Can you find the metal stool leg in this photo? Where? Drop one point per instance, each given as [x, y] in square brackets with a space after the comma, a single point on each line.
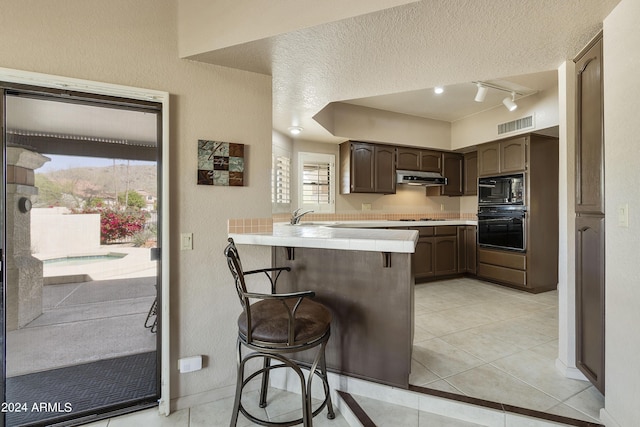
[327, 390]
[239, 385]
[265, 383]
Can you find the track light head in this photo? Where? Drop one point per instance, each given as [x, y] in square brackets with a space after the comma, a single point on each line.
[481, 94]
[510, 102]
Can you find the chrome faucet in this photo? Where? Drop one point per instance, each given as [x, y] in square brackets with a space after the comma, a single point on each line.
[296, 215]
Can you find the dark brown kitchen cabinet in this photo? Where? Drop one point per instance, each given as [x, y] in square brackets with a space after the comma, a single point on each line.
[422, 259]
[408, 159]
[467, 249]
[513, 155]
[590, 298]
[384, 170]
[430, 161]
[489, 159]
[470, 187]
[367, 168]
[504, 267]
[590, 218]
[446, 255]
[415, 159]
[452, 169]
[589, 134]
[436, 252]
[506, 156]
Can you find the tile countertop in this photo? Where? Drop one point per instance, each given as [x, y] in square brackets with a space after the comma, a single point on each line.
[377, 236]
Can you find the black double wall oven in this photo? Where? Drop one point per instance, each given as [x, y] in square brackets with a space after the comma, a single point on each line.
[502, 212]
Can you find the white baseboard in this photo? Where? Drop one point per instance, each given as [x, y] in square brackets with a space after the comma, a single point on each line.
[607, 419]
[206, 397]
[397, 396]
[569, 372]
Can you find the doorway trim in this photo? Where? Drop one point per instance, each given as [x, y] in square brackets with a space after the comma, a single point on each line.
[108, 89]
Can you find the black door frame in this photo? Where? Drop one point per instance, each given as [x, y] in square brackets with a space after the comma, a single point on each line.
[107, 101]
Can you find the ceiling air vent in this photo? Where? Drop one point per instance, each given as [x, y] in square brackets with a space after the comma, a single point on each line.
[516, 125]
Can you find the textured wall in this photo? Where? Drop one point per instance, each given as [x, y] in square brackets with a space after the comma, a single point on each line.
[135, 44]
[622, 151]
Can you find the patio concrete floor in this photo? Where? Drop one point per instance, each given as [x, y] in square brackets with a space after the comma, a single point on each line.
[88, 321]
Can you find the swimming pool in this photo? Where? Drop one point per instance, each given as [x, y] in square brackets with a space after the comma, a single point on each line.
[82, 259]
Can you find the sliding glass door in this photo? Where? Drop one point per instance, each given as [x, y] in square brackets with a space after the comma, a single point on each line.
[81, 266]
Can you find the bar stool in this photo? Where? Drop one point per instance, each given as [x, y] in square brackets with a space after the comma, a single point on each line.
[273, 327]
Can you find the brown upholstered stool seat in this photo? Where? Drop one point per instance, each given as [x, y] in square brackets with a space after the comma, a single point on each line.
[270, 321]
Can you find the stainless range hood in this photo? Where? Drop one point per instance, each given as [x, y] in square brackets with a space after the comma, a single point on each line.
[426, 179]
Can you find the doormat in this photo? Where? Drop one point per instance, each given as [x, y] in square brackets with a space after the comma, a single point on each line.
[80, 390]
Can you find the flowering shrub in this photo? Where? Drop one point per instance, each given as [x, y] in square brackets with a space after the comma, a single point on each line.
[116, 225]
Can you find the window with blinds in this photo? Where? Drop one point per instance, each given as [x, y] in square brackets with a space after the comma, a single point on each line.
[281, 180]
[317, 182]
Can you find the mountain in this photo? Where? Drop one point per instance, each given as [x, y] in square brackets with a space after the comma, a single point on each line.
[103, 182]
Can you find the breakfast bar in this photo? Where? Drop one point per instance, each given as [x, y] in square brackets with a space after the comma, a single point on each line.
[362, 272]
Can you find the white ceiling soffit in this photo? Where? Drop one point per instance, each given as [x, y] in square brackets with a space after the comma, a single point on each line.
[70, 119]
[412, 48]
[457, 101]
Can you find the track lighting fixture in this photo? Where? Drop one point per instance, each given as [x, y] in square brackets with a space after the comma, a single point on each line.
[482, 92]
[510, 102]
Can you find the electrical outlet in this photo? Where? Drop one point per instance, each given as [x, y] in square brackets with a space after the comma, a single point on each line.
[366, 206]
[186, 241]
[190, 364]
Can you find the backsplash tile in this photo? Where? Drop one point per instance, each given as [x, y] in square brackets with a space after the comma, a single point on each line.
[265, 225]
[250, 225]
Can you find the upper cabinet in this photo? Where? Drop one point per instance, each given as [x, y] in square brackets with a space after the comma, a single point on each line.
[589, 138]
[470, 187]
[408, 159]
[415, 159]
[452, 169]
[503, 157]
[430, 161]
[367, 168]
[384, 177]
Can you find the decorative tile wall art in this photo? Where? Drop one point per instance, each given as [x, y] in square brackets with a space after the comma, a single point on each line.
[220, 163]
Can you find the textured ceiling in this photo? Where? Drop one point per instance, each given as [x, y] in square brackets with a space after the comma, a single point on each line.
[412, 48]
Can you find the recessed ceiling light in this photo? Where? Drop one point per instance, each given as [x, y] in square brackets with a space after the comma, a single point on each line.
[438, 90]
[295, 130]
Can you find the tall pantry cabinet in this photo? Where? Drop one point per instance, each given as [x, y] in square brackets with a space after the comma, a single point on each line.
[590, 243]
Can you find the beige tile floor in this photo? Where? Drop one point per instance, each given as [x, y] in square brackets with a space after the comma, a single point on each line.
[495, 343]
[471, 338]
[282, 406]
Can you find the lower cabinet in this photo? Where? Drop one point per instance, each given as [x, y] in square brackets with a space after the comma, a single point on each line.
[467, 257]
[422, 259]
[503, 267]
[437, 251]
[446, 254]
[590, 302]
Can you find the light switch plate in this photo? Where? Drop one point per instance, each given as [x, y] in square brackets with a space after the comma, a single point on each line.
[623, 215]
[186, 241]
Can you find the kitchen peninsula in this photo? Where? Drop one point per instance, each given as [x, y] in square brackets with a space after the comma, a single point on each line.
[362, 271]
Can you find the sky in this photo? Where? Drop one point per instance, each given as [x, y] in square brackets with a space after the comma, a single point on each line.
[59, 162]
